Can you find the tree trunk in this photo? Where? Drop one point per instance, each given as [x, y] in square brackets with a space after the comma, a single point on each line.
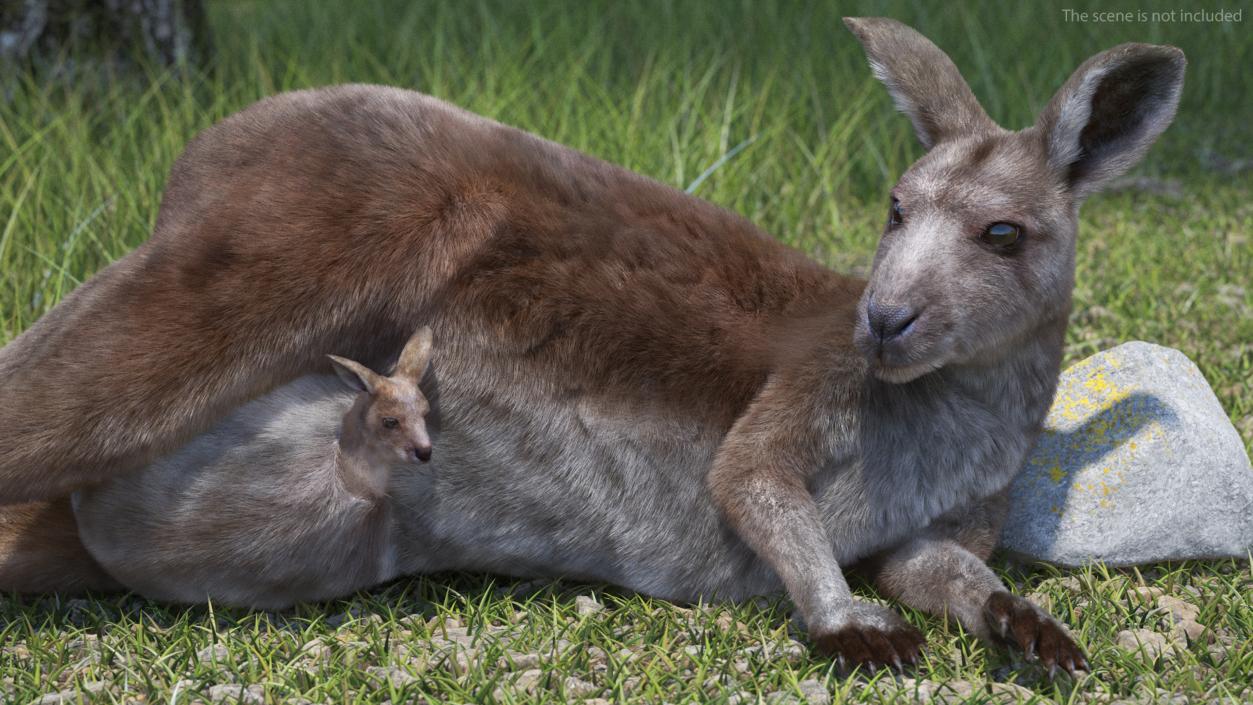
[168, 32]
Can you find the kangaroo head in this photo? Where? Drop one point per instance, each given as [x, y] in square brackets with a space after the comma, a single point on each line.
[978, 250]
[390, 418]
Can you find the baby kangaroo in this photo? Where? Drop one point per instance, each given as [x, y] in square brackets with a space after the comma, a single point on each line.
[282, 501]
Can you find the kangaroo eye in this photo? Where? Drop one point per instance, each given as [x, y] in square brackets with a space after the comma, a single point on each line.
[389, 422]
[1002, 234]
[896, 215]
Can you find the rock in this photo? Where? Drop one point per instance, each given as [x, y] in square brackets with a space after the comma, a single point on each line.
[790, 651]
[529, 681]
[515, 661]
[1189, 632]
[814, 692]
[573, 687]
[314, 651]
[1178, 610]
[1146, 641]
[86, 692]
[215, 654]
[1218, 652]
[954, 692]
[233, 693]
[585, 605]
[1138, 463]
[1011, 693]
[390, 676]
[626, 655]
[1143, 596]
[461, 661]
[924, 691]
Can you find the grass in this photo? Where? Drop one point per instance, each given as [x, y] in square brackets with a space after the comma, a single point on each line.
[767, 109]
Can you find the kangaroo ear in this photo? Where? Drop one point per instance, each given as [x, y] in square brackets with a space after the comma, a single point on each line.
[416, 355]
[923, 82]
[1110, 112]
[354, 374]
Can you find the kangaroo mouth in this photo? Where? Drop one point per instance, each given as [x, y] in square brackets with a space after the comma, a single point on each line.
[900, 374]
[915, 349]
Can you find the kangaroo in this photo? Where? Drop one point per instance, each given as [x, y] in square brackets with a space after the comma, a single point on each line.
[283, 500]
[636, 386]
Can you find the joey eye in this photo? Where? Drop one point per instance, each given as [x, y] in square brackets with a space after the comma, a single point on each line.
[896, 215]
[390, 422]
[1002, 234]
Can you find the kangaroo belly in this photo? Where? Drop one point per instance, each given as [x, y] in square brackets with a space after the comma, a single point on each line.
[578, 488]
[251, 512]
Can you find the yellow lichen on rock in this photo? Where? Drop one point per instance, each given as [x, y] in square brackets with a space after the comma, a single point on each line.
[1094, 416]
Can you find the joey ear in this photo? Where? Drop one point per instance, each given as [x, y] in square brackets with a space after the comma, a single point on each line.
[416, 355]
[1110, 112]
[354, 374]
[923, 81]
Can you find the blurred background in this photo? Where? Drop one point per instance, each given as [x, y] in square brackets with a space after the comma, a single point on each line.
[765, 108]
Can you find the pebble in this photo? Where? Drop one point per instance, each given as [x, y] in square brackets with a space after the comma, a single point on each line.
[573, 687]
[215, 654]
[73, 695]
[1179, 610]
[1152, 644]
[529, 680]
[782, 697]
[515, 661]
[390, 675]
[1143, 596]
[814, 692]
[585, 605]
[239, 694]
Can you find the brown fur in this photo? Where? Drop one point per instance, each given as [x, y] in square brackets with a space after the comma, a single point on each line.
[40, 550]
[348, 244]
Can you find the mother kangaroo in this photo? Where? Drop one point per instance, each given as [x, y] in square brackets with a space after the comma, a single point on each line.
[634, 386]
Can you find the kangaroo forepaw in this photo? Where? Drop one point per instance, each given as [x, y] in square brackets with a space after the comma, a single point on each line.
[873, 638]
[1016, 621]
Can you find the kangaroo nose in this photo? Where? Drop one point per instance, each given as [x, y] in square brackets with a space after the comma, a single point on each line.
[422, 453]
[888, 321]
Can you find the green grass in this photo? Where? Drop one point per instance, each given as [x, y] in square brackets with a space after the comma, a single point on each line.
[764, 108]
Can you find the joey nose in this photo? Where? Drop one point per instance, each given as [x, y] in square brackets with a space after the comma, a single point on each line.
[888, 321]
[422, 453]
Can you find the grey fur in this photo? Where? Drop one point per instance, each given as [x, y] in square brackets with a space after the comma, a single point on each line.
[283, 500]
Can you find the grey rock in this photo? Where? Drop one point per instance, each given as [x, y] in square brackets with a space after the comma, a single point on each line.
[573, 687]
[586, 605]
[1178, 610]
[517, 661]
[1147, 642]
[234, 693]
[1138, 463]
[390, 676]
[814, 691]
[529, 680]
[87, 692]
[216, 654]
